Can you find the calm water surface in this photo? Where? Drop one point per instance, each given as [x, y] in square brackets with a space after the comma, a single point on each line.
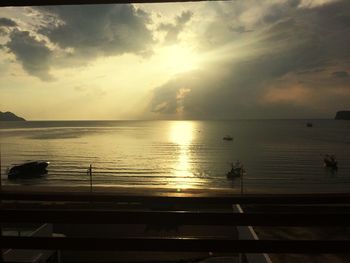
[281, 155]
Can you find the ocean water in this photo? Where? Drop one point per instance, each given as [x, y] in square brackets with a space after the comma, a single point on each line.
[278, 155]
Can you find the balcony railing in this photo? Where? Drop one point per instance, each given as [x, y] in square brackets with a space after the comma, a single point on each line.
[14, 210]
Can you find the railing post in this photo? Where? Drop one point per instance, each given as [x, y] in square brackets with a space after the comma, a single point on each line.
[242, 182]
[1, 257]
[90, 173]
[0, 172]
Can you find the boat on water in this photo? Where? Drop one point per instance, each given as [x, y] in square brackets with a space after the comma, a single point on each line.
[330, 162]
[237, 170]
[227, 138]
[28, 170]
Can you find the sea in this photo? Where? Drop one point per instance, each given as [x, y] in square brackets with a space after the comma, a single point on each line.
[278, 155]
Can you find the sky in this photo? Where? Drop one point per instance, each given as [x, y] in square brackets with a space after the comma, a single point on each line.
[251, 59]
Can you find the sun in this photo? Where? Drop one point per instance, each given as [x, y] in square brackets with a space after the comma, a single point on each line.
[179, 58]
[181, 133]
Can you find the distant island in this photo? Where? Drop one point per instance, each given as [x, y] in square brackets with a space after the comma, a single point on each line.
[9, 116]
[343, 115]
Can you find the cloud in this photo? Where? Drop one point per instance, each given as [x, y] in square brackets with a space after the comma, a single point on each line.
[173, 30]
[164, 98]
[291, 94]
[32, 53]
[6, 25]
[171, 99]
[272, 72]
[66, 36]
[6, 22]
[315, 3]
[98, 30]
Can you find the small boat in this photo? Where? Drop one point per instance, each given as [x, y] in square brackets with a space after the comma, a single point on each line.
[237, 170]
[309, 124]
[227, 138]
[28, 170]
[330, 162]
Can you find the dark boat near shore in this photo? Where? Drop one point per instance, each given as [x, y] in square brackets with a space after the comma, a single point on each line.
[28, 170]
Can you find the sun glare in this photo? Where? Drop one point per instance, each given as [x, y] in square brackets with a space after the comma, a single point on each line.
[177, 59]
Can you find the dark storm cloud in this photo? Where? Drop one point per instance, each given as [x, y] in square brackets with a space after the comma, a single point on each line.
[290, 41]
[173, 30]
[6, 22]
[82, 34]
[170, 99]
[276, 11]
[32, 53]
[6, 25]
[98, 30]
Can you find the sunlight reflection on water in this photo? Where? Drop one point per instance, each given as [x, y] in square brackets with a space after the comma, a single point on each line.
[182, 134]
[182, 154]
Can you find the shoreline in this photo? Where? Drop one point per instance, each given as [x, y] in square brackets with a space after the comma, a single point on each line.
[156, 190]
[163, 191]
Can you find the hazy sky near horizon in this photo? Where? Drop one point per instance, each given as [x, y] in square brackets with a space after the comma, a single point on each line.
[206, 60]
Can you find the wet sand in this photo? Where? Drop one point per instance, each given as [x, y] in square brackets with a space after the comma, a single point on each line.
[156, 190]
[117, 190]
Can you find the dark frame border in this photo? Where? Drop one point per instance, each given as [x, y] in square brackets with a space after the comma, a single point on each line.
[4, 3]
